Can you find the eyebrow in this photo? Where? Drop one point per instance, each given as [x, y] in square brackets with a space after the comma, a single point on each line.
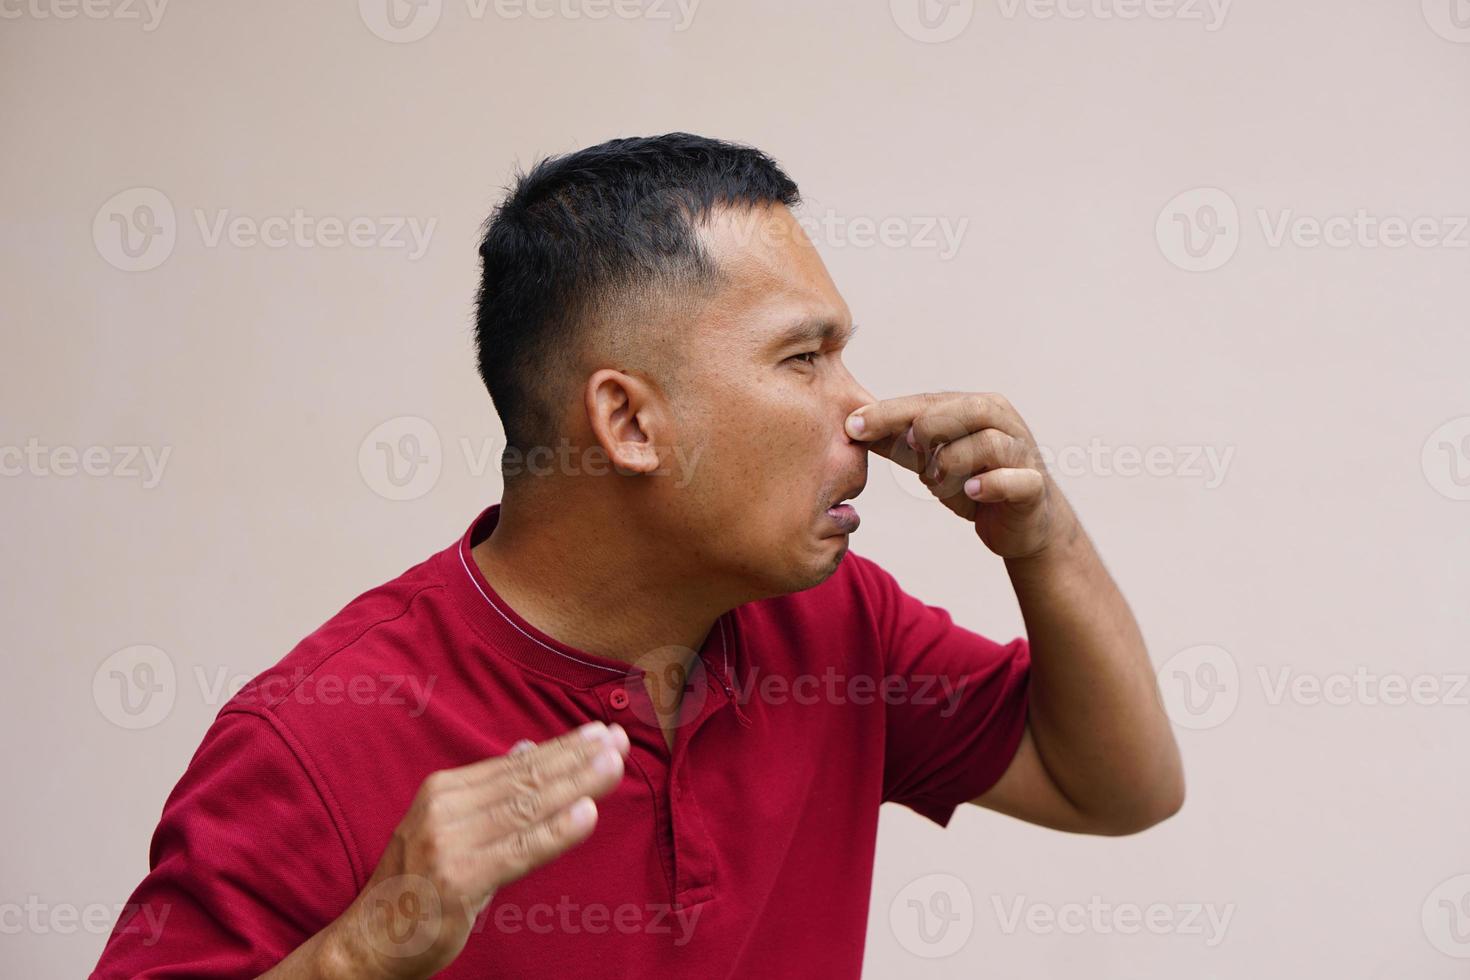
[816, 328]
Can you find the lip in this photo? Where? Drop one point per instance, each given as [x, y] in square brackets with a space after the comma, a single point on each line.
[844, 517]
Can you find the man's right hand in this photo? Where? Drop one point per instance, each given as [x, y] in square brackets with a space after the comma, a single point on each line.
[468, 832]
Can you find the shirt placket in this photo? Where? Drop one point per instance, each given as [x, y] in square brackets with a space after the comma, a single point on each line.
[670, 774]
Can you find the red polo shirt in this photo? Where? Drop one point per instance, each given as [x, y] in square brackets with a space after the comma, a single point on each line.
[746, 851]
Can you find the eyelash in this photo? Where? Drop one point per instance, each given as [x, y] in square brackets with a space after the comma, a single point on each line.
[808, 354]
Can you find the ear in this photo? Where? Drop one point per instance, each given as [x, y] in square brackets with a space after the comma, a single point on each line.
[623, 411]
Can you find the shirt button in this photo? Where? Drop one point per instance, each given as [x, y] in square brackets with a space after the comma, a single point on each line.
[618, 698]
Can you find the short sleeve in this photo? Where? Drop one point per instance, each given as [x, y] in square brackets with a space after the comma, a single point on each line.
[956, 704]
[246, 864]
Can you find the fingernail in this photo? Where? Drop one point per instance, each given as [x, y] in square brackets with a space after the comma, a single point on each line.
[582, 812]
[593, 730]
[607, 762]
[972, 487]
[854, 425]
[619, 736]
[521, 746]
[908, 437]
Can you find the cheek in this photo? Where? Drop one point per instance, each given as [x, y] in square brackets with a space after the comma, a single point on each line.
[763, 448]
[784, 439]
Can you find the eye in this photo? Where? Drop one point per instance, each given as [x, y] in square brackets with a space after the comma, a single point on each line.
[809, 357]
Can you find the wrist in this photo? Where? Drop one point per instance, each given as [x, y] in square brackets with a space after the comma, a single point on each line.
[1066, 544]
[337, 957]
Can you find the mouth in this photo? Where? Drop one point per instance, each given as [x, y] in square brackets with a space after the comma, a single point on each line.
[843, 515]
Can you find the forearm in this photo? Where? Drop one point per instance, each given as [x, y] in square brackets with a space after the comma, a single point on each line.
[322, 957]
[1095, 714]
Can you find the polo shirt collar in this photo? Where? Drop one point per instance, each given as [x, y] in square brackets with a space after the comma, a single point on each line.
[511, 635]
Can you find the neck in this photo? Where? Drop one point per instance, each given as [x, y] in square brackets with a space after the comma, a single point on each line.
[590, 578]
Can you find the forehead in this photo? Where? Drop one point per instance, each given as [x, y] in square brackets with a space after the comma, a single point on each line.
[772, 276]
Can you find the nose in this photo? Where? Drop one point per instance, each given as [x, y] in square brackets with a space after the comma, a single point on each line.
[854, 396]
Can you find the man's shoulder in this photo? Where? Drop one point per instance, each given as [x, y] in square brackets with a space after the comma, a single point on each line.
[371, 648]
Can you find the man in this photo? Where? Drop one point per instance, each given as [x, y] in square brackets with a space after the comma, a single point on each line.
[665, 701]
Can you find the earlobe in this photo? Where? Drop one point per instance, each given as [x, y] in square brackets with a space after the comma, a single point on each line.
[622, 413]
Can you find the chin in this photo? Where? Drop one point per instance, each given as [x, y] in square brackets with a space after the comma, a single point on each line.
[785, 570]
[821, 564]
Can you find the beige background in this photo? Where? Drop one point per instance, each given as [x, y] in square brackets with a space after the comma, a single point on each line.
[1331, 547]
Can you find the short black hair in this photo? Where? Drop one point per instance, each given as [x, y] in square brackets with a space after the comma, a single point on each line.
[584, 232]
